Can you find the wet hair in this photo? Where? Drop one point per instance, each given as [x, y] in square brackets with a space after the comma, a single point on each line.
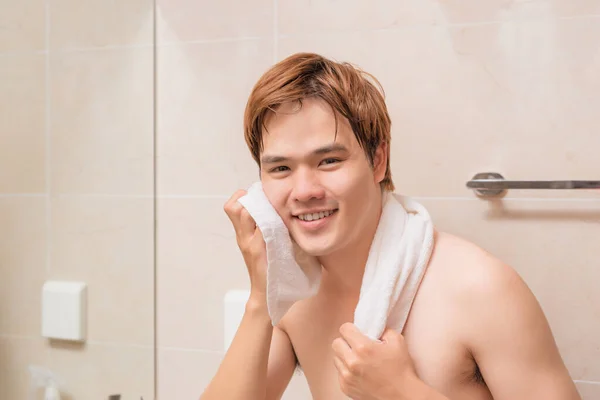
[351, 92]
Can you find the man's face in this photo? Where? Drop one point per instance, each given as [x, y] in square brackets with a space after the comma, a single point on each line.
[322, 185]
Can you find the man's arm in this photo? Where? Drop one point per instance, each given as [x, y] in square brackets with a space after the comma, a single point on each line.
[282, 364]
[510, 338]
[260, 357]
[258, 364]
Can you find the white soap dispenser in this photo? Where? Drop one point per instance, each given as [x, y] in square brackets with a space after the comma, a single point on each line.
[43, 377]
[51, 393]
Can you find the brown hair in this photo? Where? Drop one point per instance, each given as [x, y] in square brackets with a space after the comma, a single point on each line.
[350, 91]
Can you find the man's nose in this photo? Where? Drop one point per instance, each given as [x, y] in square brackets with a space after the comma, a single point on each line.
[307, 186]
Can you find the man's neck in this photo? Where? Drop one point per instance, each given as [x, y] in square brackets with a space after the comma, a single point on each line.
[343, 275]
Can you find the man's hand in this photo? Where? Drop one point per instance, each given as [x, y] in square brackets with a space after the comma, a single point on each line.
[373, 370]
[252, 245]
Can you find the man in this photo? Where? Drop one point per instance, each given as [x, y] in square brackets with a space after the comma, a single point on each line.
[320, 133]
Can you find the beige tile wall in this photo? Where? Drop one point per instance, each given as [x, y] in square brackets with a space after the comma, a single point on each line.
[472, 86]
[76, 190]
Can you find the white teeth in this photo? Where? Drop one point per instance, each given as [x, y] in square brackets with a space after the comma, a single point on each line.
[315, 216]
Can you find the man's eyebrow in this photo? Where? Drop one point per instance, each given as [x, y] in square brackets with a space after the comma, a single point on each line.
[330, 148]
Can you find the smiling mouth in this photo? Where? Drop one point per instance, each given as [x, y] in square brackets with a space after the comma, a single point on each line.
[315, 216]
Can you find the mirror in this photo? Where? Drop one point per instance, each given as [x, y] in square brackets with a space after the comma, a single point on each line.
[77, 195]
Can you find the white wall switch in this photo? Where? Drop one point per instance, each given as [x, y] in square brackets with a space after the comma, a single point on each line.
[64, 307]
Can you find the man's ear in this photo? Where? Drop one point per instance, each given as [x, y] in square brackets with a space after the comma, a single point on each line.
[380, 162]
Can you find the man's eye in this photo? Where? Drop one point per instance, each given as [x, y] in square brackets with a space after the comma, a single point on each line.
[330, 160]
[281, 168]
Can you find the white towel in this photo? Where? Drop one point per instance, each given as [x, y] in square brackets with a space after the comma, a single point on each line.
[397, 262]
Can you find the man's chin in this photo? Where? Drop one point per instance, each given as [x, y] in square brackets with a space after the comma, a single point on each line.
[315, 250]
[315, 247]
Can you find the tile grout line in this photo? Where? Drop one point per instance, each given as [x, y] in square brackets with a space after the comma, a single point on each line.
[155, 367]
[276, 35]
[192, 350]
[510, 199]
[242, 38]
[275, 31]
[48, 154]
[47, 163]
[103, 48]
[223, 196]
[118, 344]
[87, 342]
[14, 336]
[587, 382]
[77, 195]
[413, 25]
[23, 53]
[74, 50]
[17, 195]
[213, 41]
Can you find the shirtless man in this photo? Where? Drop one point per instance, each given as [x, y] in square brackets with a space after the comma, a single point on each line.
[320, 133]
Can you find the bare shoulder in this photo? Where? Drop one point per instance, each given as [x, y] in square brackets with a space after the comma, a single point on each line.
[503, 324]
[480, 283]
[468, 270]
[482, 288]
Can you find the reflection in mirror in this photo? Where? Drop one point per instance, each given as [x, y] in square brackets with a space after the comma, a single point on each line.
[77, 198]
[470, 86]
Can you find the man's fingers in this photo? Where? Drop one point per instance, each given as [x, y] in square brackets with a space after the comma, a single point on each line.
[339, 365]
[389, 335]
[232, 207]
[353, 336]
[247, 225]
[239, 217]
[341, 349]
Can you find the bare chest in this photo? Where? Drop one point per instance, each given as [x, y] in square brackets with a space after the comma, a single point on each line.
[440, 360]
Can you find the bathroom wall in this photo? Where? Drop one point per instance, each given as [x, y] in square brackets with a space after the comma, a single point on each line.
[472, 86]
[76, 190]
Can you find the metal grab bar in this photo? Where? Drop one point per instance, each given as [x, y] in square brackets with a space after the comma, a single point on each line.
[488, 184]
